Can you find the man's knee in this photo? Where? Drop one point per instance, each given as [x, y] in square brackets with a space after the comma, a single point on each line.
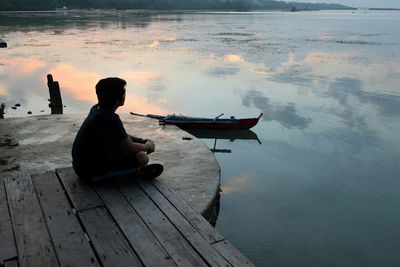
[142, 158]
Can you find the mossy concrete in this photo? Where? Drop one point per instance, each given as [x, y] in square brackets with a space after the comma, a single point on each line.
[41, 143]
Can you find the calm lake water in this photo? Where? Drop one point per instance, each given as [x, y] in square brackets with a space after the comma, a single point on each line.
[322, 187]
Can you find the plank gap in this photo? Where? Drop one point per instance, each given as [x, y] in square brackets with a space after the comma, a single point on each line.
[79, 220]
[7, 229]
[216, 242]
[124, 214]
[190, 233]
[196, 220]
[32, 237]
[45, 221]
[144, 222]
[161, 227]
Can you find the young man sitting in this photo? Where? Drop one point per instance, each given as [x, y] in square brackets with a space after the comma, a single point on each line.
[102, 149]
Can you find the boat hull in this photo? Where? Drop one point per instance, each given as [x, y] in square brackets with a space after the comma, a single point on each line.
[239, 124]
[204, 123]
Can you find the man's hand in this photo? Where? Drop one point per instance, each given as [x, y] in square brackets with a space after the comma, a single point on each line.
[131, 147]
[150, 146]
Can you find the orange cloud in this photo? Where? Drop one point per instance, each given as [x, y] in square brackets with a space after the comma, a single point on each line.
[80, 85]
[236, 184]
[169, 38]
[140, 104]
[233, 58]
[140, 79]
[153, 44]
[25, 66]
[320, 57]
[3, 90]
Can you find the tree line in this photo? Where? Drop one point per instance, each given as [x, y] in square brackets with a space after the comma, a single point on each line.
[239, 5]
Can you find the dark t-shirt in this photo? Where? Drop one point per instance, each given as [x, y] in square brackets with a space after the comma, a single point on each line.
[96, 142]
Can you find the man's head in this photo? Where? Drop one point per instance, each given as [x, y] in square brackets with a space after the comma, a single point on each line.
[111, 92]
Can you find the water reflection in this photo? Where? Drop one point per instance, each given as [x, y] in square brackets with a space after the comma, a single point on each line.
[287, 115]
[44, 21]
[330, 153]
[24, 67]
[237, 184]
[344, 88]
[230, 135]
[3, 90]
[223, 71]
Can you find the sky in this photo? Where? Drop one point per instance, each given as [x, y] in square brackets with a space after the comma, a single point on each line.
[360, 3]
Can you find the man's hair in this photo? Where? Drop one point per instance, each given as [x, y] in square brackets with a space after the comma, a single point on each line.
[109, 91]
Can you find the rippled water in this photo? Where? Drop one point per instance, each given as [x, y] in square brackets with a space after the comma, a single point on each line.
[323, 187]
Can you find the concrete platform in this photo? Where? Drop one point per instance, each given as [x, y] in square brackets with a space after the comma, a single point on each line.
[43, 143]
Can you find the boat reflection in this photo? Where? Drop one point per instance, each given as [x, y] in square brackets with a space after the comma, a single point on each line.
[230, 135]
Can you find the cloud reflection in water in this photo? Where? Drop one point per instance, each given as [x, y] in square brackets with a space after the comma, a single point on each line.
[3, 90]
[237, 184]
[344, 88]
[287, 115]
[223, 71]
[22, 66]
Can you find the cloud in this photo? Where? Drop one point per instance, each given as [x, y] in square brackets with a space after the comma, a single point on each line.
[141, 104]
[79, 84]
[3, 90]
[233, 58]
[153, 44]
[344, 88]
[223, 71]
[287, 115]
[236, 184]
[143, 80]
[24, 66]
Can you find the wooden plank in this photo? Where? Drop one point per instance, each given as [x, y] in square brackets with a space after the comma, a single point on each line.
[11, 263]
[231, 254]
[69, 240]
[8, 248]
[32, 238]
[146, 246]
[80, 193]
[201, 245]
[110, 244]
[198, 221]
[173, 242]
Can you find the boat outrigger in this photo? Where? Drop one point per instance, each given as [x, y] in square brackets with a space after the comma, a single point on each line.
[185, 122]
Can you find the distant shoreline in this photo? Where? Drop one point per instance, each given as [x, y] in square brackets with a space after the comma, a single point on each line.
[194, 10]
[171, 5]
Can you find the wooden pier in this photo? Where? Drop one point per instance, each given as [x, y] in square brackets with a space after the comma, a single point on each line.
[54, 219]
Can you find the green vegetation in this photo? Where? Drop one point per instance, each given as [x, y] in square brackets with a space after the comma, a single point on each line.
[239, 5]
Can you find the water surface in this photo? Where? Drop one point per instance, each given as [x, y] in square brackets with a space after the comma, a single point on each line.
[323, 187]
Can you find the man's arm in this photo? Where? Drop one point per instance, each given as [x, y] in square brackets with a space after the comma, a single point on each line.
[128, 146]
[137, 139]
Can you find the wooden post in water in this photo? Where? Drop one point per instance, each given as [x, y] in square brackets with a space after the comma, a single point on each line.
[3, 43]
[55, 105]
[2, 108]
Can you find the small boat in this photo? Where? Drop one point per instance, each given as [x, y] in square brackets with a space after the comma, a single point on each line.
[185, 122]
